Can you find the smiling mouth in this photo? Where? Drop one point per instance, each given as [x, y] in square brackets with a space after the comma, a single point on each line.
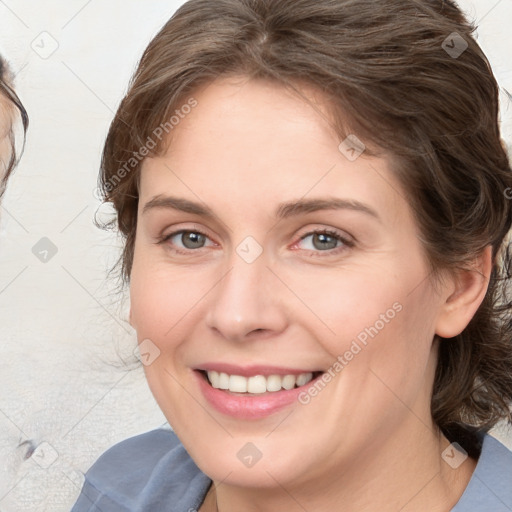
[257, 384]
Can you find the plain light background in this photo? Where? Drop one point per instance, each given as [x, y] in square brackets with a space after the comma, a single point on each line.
[64, 391]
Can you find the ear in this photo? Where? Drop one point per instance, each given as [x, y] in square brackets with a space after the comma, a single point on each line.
[465, 293]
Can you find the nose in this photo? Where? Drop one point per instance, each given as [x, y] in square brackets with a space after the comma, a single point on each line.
[246, 304]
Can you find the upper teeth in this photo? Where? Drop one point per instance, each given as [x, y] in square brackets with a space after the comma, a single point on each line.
[258, 383]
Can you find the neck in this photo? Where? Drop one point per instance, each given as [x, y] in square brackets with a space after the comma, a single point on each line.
[406, 473]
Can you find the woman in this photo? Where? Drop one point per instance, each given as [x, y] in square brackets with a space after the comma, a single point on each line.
[312, 195]
[9, 103]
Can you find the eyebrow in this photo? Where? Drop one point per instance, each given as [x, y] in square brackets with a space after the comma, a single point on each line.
[312, 205]
[177, 203]
[284, 210]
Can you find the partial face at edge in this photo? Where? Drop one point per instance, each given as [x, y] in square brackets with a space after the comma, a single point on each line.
[243, 151]
[6, 120]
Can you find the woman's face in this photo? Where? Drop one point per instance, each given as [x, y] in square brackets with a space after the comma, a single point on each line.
[249, 289]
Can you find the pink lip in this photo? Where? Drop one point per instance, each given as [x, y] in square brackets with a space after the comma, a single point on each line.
[250, 407]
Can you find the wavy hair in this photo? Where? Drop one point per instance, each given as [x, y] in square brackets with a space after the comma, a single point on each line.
[8, 95]
[409, 79]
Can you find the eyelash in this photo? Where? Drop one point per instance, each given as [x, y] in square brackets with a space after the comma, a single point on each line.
[164, 239]
[334, 234]
[346, 243]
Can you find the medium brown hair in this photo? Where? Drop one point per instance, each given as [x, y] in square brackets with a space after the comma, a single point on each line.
[8, 95]
[391, 76]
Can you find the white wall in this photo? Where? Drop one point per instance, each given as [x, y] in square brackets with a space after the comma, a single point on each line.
[61, 325]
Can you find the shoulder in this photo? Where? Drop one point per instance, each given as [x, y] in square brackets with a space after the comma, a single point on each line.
[490, 487]
[137, 453]
[143, 473]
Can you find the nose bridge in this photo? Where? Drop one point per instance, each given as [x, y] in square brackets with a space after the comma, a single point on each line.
[242, 302]
[244, 283]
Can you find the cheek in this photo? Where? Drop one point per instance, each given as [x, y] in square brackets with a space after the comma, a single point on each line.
[342, 305]
[162, 297]
[377, 326]
[161, 306]
[392, 370]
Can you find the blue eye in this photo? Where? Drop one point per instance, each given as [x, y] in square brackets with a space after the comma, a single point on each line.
[325, 240]
[187, 239]
[319, 241]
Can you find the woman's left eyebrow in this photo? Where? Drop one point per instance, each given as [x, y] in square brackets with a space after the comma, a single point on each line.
[313, 205]
[284, 210]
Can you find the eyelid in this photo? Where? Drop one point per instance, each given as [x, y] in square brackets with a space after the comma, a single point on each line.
[336, 233]
[195, 228]
[164, 238]
[347, 241]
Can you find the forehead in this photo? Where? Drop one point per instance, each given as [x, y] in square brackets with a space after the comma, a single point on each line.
[259, 145]
[241, 129]
[253, 105]
[247, 126]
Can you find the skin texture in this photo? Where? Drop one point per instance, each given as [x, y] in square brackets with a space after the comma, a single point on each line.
[367, 440]
[5, 126]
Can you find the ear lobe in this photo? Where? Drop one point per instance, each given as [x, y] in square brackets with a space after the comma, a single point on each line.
[465, 296]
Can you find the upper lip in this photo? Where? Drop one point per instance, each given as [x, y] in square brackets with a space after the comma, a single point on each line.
[251, 370]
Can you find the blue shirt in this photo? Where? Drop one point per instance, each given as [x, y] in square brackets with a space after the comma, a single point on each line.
[152, 472]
